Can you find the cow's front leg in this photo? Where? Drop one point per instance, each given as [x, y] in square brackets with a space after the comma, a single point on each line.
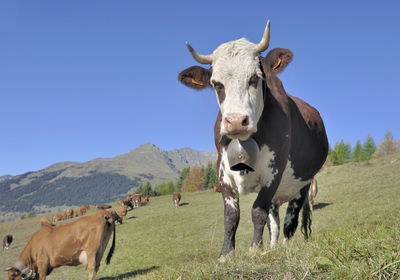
[231, 219]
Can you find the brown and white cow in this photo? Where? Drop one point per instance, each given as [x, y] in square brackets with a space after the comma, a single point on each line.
[58, 217]
[144, 200]
[136, 199]
[290, 135]
[7, 240]
[176, 197]
[80, 242]
[126, 202]
[44, 221]
[69, 214]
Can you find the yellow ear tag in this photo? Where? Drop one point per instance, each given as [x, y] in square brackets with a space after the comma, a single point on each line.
[277, 64]
[197, 83]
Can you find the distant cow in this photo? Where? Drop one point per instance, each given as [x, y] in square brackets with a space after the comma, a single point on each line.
[69, 214]
[80, 242]
[7, 241]
[44, 221]
[144, 200]
[83, 209]
[217, 188]
[126, 202]
[122, 211]
[176, 197]
[136, 199]
[58, 217]
[75, 214]
[103, 206]
[312, 193]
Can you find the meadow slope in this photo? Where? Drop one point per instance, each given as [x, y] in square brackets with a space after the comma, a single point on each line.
[356, 233]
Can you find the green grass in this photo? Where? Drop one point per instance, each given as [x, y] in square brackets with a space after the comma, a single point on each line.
[356, 235]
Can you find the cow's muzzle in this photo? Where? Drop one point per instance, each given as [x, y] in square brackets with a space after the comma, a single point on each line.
[242, 155]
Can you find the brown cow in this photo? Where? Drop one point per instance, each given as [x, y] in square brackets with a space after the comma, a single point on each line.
[58, 217]
[7, 241]
[176, 197]
[44, 221]
[144, 200]
[83, 209]
[69, 214]
[126, 202]
[312, 193]
[136, 198]
[80, 242]
[122, 211]
[103, 206]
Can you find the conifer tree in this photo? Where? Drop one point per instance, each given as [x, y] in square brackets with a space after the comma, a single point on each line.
[357, 153]
[369, 148]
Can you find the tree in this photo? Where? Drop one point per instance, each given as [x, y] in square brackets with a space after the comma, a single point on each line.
[388, 145]
[368, 148]
[194, 180]
[182, 177]
[340, 153]
[357, 153]
[210, 176]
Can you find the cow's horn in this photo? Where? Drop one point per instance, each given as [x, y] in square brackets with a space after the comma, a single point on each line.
[7, 269]
[200, 58]
[264, 43]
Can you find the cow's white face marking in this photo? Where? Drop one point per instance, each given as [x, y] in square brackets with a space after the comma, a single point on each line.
[234, 64]
[244, 183]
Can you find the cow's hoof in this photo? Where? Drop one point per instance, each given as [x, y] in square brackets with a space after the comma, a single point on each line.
[226, 258]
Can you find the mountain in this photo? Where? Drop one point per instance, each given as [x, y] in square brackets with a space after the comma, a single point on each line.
[5, 178]
[97, 181]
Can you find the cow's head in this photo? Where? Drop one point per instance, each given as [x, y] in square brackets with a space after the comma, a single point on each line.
[15, 273]
[237, 73]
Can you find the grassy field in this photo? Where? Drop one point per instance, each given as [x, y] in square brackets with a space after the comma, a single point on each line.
[356, 235]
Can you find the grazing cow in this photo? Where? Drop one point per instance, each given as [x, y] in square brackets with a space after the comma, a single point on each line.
[44, 221]
[176, 197]
[7, 241]
[103, 206]
[283, 138]
[122, 211]
[69, 214]
[126, 202]
[312, 193]
[217, 188]
[80, 242]
[58, 217]
[83, 209]
[136, 198]
[144, 200]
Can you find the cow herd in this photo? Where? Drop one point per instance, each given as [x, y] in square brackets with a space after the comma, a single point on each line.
[82, 241]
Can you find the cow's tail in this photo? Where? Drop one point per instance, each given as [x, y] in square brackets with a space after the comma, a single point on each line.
[111, 252]
[306, 219]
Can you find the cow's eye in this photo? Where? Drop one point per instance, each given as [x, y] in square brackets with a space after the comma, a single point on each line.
[254, 81]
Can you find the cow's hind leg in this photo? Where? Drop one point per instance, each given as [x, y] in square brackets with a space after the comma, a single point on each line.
[292, 215]
[273, 224]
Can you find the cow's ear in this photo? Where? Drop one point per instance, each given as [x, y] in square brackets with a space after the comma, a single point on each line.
[195, 77]
[277, 60]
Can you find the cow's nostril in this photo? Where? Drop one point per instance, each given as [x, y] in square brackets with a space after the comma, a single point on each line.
[245, 122]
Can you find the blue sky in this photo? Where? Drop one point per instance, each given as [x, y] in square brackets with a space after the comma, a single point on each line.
[87, 79]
